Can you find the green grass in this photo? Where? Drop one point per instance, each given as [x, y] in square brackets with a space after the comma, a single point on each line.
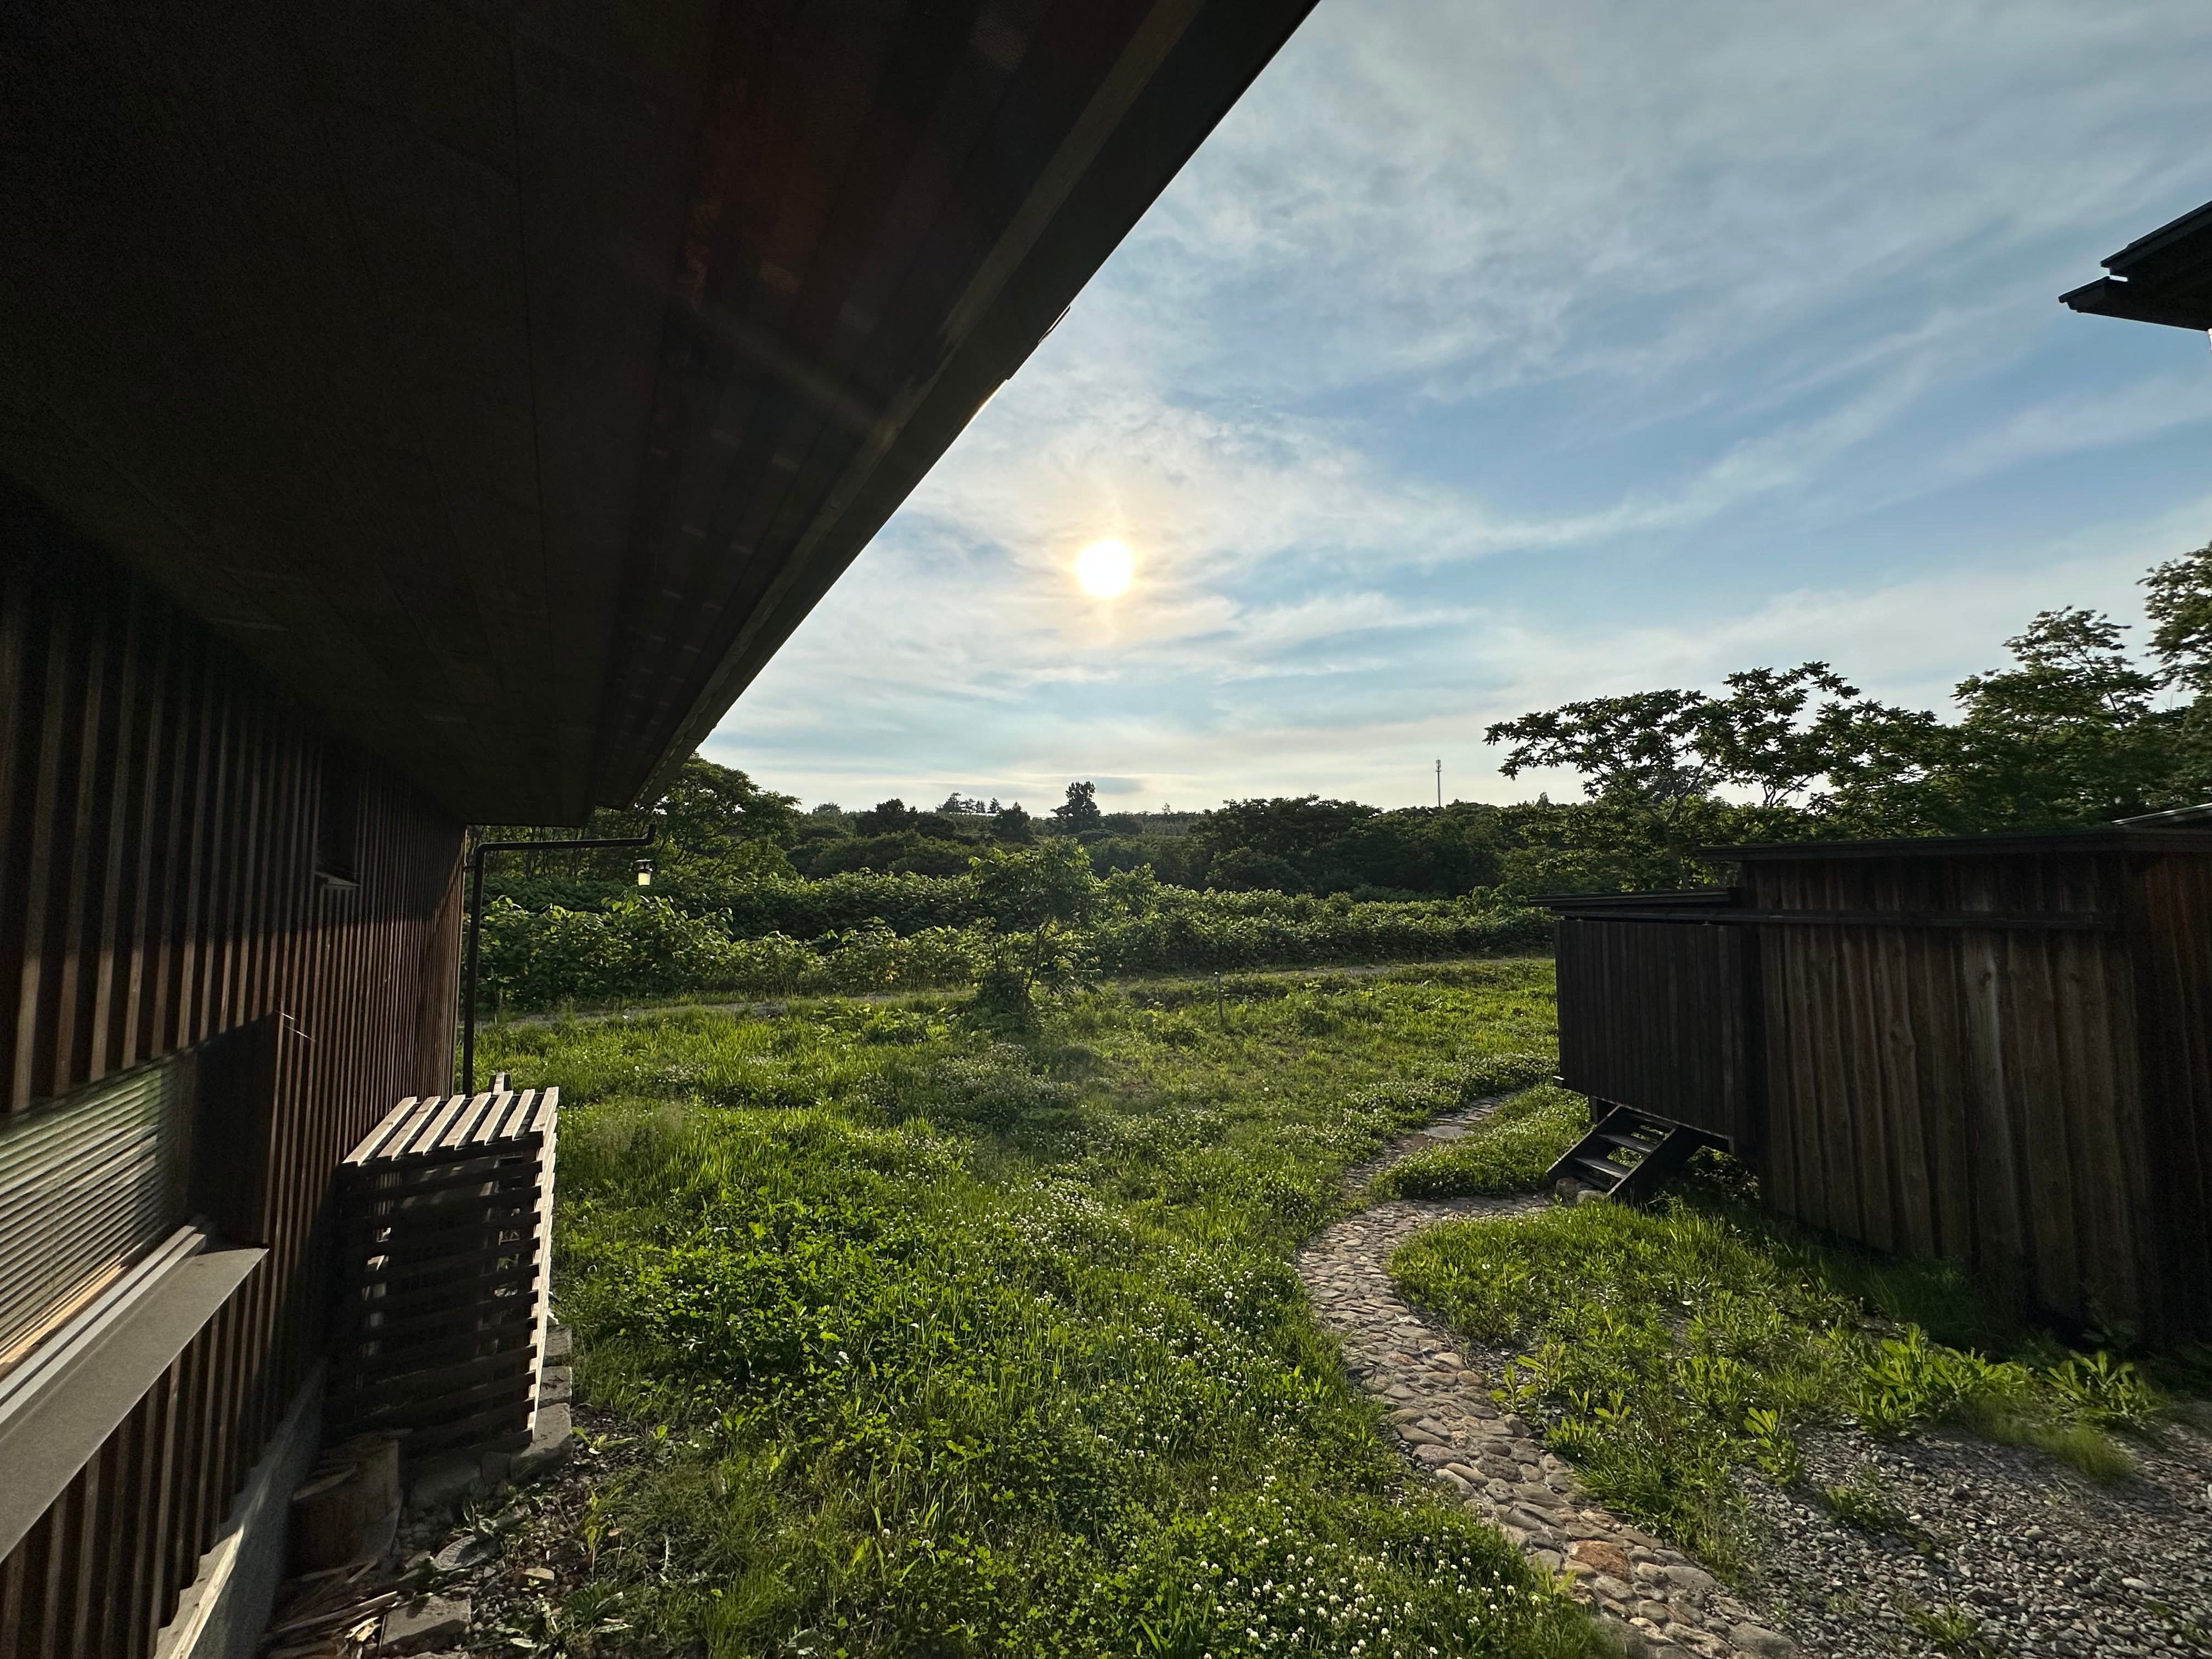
[1511, 1152]
[955, 1346]
[1664, 1349]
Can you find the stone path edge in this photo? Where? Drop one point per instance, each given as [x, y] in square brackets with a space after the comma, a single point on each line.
[1436, 1394]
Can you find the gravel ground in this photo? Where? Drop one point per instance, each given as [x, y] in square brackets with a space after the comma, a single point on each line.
[2022, 1553]
[2001, 1551]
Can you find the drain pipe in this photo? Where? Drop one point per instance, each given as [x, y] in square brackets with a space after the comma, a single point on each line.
[475, 926]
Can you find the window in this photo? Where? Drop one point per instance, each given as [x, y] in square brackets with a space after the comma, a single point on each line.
[337, 818]
[88, 1185]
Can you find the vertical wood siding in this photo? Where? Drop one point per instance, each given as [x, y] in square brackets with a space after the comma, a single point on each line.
[1654, 1015]
[158, 819]
[2170, 923]
[1957, 1092]
[2032, 1095]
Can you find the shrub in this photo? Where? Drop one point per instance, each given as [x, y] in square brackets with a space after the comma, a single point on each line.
[921, 936]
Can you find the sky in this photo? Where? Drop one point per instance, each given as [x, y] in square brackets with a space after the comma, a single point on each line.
[1496, 353]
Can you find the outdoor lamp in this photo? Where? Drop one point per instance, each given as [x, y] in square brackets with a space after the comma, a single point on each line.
[645, 873]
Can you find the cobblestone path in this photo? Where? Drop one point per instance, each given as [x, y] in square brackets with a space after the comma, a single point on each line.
[1437, 1391]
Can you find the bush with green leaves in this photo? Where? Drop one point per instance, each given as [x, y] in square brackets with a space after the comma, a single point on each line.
[922, 937]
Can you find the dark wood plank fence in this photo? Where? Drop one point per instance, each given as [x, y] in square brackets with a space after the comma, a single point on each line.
[168, 875]
[1997, 1050]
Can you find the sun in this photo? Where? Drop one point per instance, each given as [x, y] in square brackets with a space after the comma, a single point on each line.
[1103, 569]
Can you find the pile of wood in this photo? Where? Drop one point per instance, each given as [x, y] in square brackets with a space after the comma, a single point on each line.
[444, 1223]
[336, 1614]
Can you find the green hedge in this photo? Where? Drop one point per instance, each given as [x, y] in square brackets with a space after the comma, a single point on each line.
[650, 947]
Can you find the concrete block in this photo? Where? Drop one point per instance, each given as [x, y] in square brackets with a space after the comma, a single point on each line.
[434, 1621]
[550, 1445]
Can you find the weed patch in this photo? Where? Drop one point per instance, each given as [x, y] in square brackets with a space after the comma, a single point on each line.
[1663, 1348]
[1509, 1151]
[1861, 1502]
[962, 1346]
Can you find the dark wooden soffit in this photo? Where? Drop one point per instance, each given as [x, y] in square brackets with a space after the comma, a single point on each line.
[2164, 277]
[512, 379]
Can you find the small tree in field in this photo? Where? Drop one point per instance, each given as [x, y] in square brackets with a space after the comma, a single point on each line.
[1080, 811]
[1035, 898]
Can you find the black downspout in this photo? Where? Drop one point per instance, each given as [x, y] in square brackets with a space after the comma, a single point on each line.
[476, 927]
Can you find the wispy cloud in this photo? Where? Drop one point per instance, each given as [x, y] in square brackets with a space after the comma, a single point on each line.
[1496, 354]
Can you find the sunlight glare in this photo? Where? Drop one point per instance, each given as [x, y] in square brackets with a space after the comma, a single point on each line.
[1103, 569]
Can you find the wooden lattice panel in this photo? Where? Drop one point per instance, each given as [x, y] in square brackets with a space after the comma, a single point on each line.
[444, 1244]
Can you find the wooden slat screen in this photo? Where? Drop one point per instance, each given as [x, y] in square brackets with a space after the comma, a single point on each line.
[161, 801]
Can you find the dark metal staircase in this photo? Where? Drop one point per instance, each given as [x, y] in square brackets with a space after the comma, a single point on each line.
[1628, 1153]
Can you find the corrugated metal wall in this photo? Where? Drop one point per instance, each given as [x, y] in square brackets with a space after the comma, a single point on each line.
[1940, 1090]
[1654, 1015]
[159, 806]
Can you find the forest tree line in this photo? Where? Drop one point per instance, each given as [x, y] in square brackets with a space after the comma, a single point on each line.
[2073, 729]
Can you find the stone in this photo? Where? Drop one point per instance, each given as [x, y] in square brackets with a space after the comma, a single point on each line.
[466, 1552]
[560, 1342]
[413, 1626]
[1757, 1638]
[1695, 1580]
[1600, 1557]
[550, 1443]
[445, 1483]
[1658, 1612]
[1630, 1642]
[555, 1383]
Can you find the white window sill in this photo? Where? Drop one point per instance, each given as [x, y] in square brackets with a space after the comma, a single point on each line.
[59, 1406]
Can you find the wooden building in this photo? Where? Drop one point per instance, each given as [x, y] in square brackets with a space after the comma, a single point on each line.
[1996, 1048]
[414, 415]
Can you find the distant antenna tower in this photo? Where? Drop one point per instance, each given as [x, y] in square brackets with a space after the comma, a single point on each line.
[1440, 786]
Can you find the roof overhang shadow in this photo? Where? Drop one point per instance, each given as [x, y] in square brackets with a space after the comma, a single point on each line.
[512, 379]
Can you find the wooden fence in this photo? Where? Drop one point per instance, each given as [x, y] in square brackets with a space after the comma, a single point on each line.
[1997, 1050]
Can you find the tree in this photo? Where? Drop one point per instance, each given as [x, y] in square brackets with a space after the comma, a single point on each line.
[1247, 870]
[885, 817]
[1080, 810]
[1776, 735]
[2069, 734]
[1035, 897]
[2179, 604]
[1013, 826]
[710, 811]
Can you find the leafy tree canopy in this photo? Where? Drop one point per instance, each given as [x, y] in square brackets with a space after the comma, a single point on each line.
[1080, 810]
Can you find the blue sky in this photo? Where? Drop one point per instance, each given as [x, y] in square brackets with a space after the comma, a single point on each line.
[1493, 353]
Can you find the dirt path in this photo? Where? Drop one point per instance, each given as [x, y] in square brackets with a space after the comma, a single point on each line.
[1437, 1392]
